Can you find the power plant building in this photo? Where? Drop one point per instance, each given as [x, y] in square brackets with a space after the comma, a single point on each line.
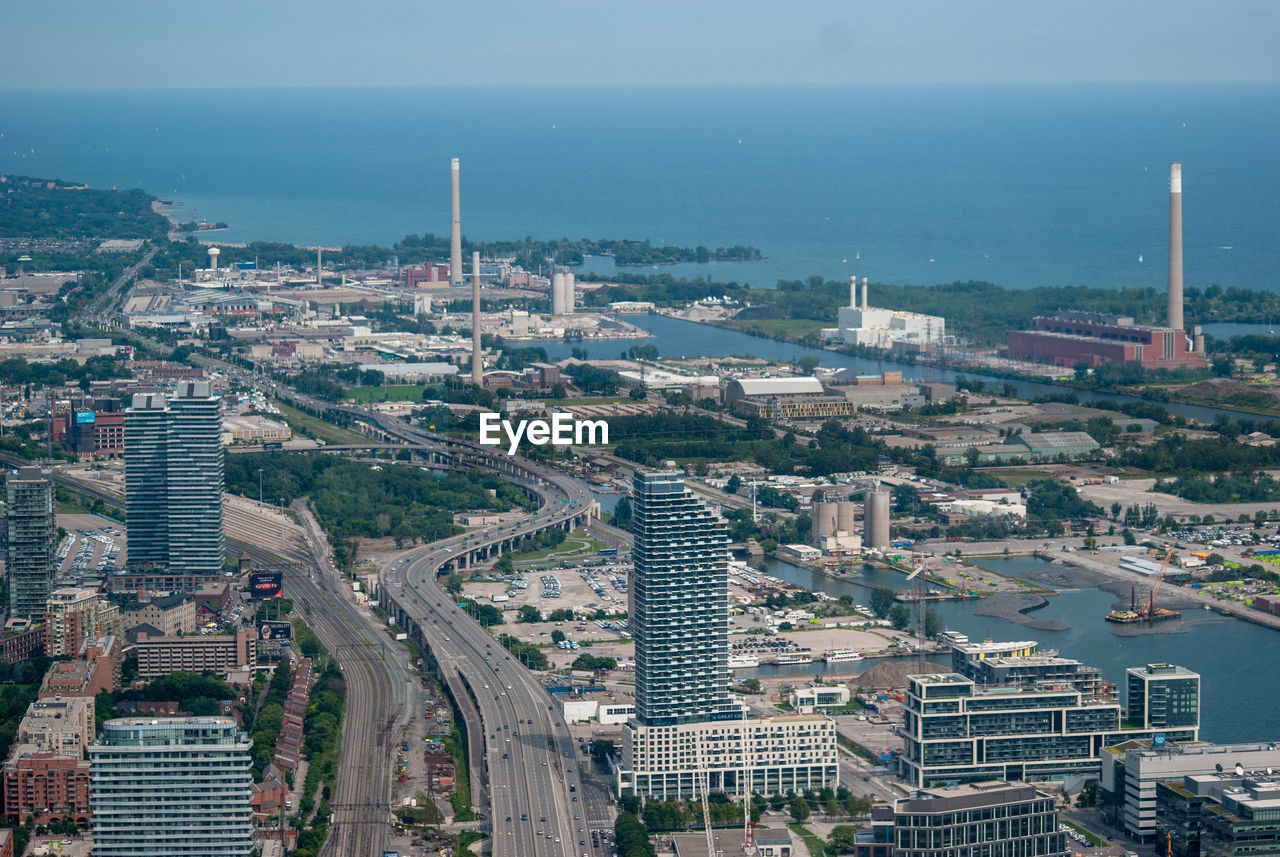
[1071, 337]
[877, 327]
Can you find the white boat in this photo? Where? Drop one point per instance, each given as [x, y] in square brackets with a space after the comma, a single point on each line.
[836, 656]
[739, 661]
[793, 658]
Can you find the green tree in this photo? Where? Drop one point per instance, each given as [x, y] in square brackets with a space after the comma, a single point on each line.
[1116, 509]
[528, 613]
[799, 808]
[733, 484]
[899, 617]
[933, 624]
[453, 584]
[557, 636]
[882, 600]
[844, 838]
[622, 513]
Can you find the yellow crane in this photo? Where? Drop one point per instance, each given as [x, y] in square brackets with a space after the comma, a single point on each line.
[1148, 612]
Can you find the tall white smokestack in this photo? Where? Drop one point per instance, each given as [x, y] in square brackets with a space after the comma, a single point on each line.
[853, 292]
[1175, 246]
[865, 305]
[455, 233]
[477, 365]
[319, 253]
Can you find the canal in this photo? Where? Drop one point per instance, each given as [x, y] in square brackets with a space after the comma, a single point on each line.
[1240, 681]
[675, 337]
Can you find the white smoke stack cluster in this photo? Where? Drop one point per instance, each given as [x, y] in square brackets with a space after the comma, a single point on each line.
[1175, 247]
[865, 305]
[853, 292]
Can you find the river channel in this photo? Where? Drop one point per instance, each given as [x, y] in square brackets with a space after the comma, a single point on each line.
[675, 337]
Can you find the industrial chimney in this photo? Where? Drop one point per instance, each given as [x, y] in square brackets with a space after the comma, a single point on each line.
[455, 234]
[477, 365]
[1175, 246]
[557, 293]
[853, 292]
[569, 287]
[865, 306]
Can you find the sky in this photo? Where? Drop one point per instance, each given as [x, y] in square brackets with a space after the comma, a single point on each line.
[139, 44]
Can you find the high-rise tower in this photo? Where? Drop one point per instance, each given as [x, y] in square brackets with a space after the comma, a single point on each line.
[1175, 246]
[32, 534]
[174, 480]
[679, 604]
[171, 786]
[455, 231]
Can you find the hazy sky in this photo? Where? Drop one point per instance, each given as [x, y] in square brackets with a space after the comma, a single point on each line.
[175, 43]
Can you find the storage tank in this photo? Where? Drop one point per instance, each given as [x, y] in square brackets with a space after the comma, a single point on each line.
[568, 292]
[875, 520]
[557, 294]
[845, 517]
[824, 520]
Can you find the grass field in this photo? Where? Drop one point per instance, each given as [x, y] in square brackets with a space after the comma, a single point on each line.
[1095, 841]
[305, 424]
[598, 400]
[570, 547]
[790, 329]
[387, 393]
[1014, 477]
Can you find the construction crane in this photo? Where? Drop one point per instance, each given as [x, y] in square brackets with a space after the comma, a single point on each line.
[915, 596]
[1149, 612]
[704, 786]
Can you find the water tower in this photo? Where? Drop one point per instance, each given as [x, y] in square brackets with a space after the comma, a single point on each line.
[213, 258]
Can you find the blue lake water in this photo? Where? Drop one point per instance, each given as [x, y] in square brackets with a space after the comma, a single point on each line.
[1022, 185]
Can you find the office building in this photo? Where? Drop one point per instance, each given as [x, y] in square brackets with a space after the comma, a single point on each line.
[1132, 771]
[956, 731]
[688, 735]
[174, 483]
[680, 604]
[74, 615]
[1162, 696]
[32, 534]
[1219, 815]
[220, 653]
[984, 819]
[174, 786]
[1019, 664]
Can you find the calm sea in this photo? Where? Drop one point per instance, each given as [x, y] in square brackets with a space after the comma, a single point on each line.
[1020, 185]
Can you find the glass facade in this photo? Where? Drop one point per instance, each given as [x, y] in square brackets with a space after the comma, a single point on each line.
[174, 480]
[957, 732]
[32, 542]
[1162, 696]
[679, 604]
[178, 787]
[991, 819]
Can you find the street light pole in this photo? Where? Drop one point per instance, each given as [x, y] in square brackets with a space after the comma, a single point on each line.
[259, 486]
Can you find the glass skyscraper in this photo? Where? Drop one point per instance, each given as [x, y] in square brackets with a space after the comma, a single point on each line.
[173, 786]
[679, 605]
[174, 480]
[32, 535]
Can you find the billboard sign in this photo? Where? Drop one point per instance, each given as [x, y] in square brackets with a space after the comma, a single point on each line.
[1158, 739]
[280, 632]
[265, 584]
[85, 418]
